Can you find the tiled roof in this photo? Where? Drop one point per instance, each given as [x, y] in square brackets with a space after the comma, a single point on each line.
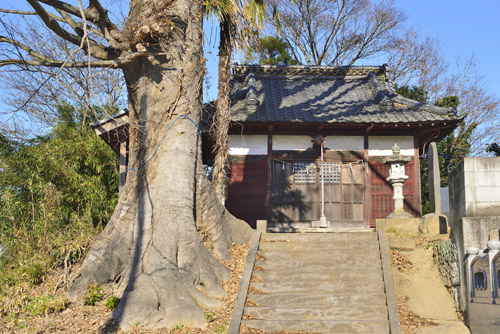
[354, 94]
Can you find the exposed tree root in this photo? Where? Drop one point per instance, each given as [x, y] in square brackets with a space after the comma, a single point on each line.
[217, 227]
[152, 246]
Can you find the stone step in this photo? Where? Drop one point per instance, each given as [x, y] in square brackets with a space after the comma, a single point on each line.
[341, 287]
[307, 237]
[318, 282]
[307, 228]
[319, 246]
[360, 312]
[319, 264]
[326, 275]
[312, 299]
[317, 230]
[321, 326]
[313, 256]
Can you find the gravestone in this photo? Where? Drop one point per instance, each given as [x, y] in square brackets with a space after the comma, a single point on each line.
[434, 179]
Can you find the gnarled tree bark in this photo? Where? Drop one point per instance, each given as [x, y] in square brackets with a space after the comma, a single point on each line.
[152, 243]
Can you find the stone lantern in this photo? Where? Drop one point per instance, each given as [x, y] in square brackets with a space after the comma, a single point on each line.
[396, 178]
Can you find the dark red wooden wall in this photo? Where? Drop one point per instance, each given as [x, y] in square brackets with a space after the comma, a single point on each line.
[381, 193]
[247, 191]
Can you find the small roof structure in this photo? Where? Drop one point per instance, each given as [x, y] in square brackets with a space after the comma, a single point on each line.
[335, 96]
[113, 129]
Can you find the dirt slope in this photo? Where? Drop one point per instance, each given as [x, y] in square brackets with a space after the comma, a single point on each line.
[418, 282]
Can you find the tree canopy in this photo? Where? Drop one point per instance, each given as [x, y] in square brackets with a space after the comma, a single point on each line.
[270, 50]
[493, 148]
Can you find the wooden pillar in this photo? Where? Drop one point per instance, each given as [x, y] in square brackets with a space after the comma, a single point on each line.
[367, 172]
[269, 168]
[418, 190]
[123, 161]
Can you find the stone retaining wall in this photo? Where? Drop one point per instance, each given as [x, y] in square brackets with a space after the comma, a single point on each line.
[446, 257]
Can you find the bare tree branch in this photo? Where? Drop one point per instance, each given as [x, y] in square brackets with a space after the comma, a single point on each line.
[95, 49]
[55, 17]
[418, 62]
[103, 13]
[58, 63]
[96, 14]
[90, 14]
[26, 48]
[22, 12]
[12, 11]
[322, 32]
[115, 37]
[78, 29]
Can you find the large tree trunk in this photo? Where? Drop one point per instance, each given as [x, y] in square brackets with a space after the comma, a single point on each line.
[151, 245]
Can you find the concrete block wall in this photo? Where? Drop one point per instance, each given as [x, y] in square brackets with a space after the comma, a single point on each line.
[475, 189]
[474, 192]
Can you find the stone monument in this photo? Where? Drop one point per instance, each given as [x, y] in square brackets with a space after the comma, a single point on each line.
[434, 179]
[434, 222]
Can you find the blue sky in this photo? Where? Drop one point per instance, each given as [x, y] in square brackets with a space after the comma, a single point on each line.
[465, 28]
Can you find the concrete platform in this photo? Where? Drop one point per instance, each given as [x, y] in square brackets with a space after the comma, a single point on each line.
[408, 225]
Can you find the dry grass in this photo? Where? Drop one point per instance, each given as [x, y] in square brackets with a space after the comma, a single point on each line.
[256, 279]
[254, 291]
[410, 321]
[260, 257]
[79, 318]
[250, 302]
[401, 262]
[248, 317]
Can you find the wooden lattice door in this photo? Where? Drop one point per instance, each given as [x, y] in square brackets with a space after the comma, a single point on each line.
[344, 193]
[296, 192]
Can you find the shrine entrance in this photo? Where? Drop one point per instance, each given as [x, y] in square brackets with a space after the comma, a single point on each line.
[296, 192]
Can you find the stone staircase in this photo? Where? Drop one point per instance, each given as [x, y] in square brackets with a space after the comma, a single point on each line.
[318, 283]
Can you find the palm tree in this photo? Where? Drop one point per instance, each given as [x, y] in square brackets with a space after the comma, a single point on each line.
[236, 18]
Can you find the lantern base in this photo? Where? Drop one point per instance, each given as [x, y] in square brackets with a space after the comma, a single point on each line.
[400, 214]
